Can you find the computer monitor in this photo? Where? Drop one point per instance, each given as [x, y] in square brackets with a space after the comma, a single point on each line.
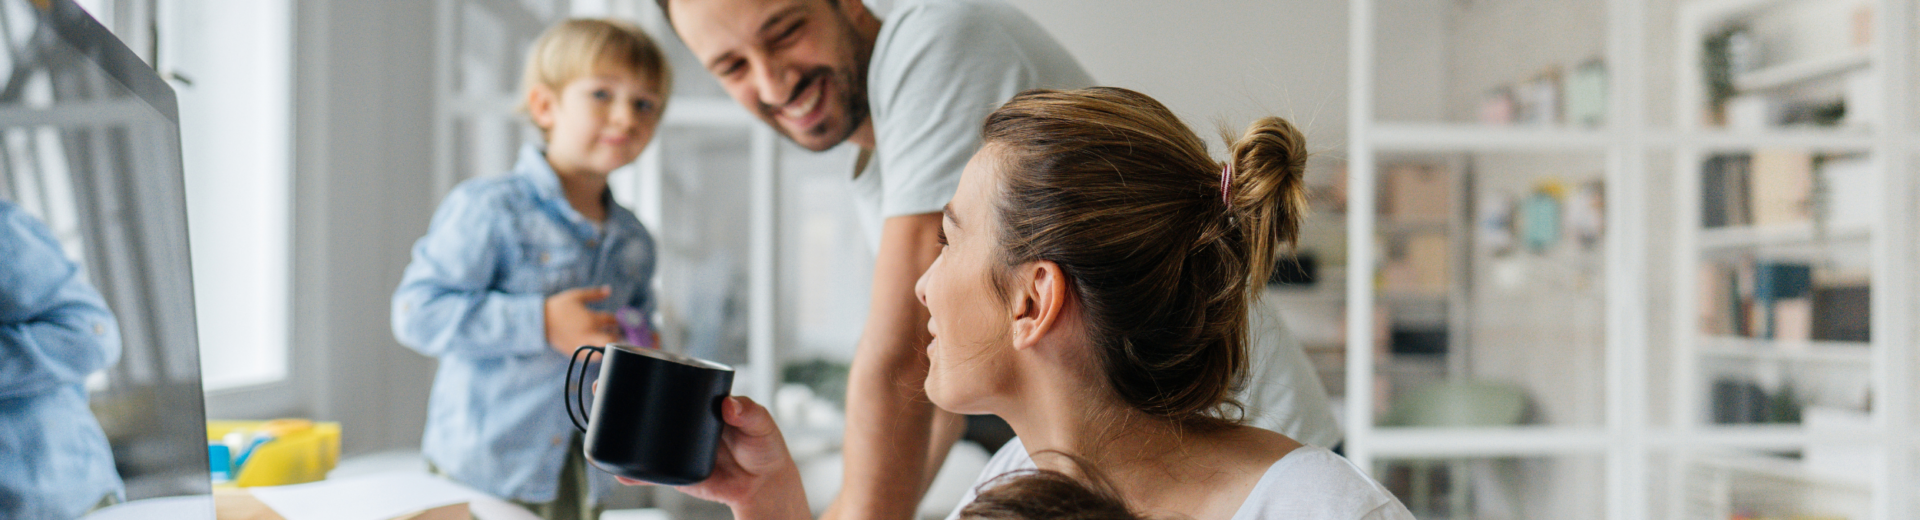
[90, 147]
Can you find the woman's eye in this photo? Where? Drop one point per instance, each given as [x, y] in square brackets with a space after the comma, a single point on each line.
[602, 95]
[644, 106]
[941, 237]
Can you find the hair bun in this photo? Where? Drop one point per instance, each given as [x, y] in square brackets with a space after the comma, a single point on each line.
[1268, 186]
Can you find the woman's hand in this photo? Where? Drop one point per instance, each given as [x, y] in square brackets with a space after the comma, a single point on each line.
[752, 473]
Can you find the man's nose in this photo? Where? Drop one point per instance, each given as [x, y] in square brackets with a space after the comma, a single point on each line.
[774, 82]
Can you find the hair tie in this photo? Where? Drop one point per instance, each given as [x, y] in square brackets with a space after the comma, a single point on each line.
[1226, 179]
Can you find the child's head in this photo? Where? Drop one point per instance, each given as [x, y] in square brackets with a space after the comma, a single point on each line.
[595, 88]
[1038, 494]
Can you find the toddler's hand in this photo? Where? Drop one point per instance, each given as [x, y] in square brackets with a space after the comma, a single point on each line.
[571, 324]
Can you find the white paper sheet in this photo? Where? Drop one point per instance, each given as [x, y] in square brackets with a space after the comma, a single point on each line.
[371, 497]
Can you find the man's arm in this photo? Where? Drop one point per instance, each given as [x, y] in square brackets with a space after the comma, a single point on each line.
[889, 420]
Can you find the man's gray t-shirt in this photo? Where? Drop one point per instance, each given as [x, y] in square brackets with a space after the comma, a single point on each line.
[938, 68]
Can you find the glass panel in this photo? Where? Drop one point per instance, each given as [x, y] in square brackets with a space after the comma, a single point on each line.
[237, 156]
[1564, 487]
[1783, 286]
[1309, 290]
[1491, 62]
[1490, 308]
[702, 243]
[90, 152]
[1716, 484]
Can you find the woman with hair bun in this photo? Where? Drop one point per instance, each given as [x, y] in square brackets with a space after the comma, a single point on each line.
[1093, 291]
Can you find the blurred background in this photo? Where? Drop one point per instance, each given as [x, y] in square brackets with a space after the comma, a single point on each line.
[1573, 259]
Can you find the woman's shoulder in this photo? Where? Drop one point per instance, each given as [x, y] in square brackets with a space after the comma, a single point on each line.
[1311, 482]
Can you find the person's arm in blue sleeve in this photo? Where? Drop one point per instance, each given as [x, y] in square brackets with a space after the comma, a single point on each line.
[55, 329]
[446, 303]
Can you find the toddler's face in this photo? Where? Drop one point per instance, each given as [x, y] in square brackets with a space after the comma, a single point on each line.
[600, 122]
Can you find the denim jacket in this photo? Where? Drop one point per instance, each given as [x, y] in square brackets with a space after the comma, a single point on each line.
[474, 297]
[55, 330]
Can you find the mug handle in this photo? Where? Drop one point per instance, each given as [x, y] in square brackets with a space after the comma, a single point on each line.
[568, 397]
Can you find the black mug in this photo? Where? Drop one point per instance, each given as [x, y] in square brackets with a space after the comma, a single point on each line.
[656, 415]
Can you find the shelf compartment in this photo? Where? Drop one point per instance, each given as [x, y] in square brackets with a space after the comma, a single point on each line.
[1746, 237]
[1466, 137]
[1779, 469]
[1837, 139]
[1835, 352]
[1781, 436]
[1799, 72]
[1402, 442]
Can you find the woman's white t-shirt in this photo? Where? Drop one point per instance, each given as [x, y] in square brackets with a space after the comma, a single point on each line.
[1309, 483]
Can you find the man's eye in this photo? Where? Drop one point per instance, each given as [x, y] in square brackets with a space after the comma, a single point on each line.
[791, 30]
[733, 67]
[941, 237]
[602, 95]
[644, 106]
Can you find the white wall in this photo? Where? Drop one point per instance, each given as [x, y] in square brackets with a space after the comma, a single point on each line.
[362, 195]
[1216, 62]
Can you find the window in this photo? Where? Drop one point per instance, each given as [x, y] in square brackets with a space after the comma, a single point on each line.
[230, 65]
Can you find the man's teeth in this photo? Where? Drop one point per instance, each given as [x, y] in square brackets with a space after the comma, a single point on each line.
[804, 108]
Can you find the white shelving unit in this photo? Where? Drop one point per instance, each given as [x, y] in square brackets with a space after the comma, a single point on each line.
[1885, 491]
[1637, 446]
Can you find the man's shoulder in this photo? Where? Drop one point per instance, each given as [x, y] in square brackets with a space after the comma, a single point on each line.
[917, 24]
[937, 13]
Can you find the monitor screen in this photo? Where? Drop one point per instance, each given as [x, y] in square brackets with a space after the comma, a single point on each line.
[98, 299]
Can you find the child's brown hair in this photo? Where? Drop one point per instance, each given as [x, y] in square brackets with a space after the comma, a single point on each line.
[1038, 494]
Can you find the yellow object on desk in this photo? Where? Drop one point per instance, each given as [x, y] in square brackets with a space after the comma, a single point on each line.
[300, 450]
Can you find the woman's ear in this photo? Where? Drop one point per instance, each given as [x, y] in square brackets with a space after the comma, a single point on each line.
[540, 106]
[1039, 304]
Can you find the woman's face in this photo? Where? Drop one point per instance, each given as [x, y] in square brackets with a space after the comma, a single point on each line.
[971, 353]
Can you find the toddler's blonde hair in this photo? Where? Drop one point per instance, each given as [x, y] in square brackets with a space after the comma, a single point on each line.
[582, 46]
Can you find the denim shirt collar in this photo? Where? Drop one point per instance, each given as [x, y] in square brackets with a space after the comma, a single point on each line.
[532, 166]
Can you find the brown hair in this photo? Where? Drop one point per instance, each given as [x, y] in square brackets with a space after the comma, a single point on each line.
[578, 47]
[1111, 186]
[1038, 494]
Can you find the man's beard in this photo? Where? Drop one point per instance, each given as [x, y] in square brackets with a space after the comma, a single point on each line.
[848, 93]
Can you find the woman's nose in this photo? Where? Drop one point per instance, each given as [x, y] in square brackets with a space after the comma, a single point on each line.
[920, 287]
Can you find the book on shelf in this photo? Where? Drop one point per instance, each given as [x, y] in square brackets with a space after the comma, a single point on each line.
[1775, 282]
[1850, 192]
[1781, 187]
[1723, 191]
[1843, 313]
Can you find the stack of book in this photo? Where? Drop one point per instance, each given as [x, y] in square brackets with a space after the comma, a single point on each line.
[1782, 301]
[1765, 188]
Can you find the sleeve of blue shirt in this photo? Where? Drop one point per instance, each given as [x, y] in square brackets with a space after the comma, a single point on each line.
[447, 302]
[54, 328]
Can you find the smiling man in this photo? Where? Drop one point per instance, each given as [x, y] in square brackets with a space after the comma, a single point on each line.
[911, 91]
